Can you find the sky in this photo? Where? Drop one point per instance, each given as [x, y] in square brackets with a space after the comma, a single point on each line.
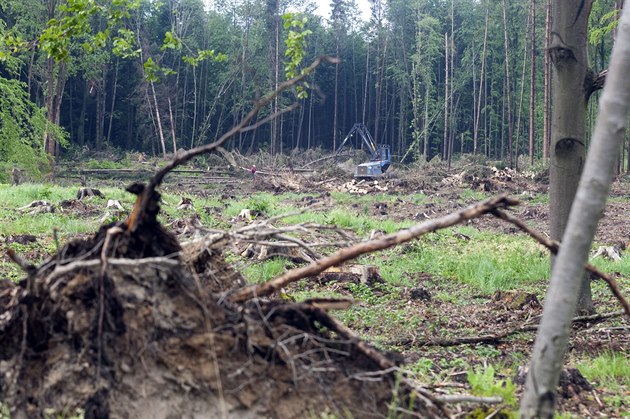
[324, 8]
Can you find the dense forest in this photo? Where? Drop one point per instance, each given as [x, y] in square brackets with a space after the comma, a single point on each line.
[429, 77]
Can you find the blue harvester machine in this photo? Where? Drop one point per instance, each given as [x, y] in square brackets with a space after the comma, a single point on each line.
[380, 157]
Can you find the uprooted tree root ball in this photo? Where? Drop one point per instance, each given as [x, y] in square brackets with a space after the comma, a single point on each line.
[149, 332]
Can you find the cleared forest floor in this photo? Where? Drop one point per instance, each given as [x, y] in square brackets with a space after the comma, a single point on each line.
[456, 309]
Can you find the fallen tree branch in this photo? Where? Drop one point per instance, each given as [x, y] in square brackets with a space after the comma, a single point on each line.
[466, 398]
[554, 247]
[385, 242]
[496, 338]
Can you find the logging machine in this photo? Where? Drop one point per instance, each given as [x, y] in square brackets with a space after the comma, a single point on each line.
[380, 157]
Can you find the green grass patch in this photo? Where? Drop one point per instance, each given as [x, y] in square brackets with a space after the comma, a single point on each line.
[486, 261]
[265, 271]
[468, 195]
[609, 370]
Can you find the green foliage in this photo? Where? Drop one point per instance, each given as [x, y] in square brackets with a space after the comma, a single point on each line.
[607, 22]
[22, 127]
[483, 383]
[74, 23]
[295, 47]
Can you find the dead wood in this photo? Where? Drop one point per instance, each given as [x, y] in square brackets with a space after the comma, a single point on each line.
[385, 242]
[554, 247]
[89, 192]
[495, 338]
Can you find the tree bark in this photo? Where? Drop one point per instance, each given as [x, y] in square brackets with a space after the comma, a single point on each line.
[568, 56]
[551, 341]
[481, 76]
[532, 83]
[508, 85]
[547, 85]
[111, 108]
[446, 60]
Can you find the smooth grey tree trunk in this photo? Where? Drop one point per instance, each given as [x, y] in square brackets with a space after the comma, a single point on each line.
[568, 128]
[560, 304]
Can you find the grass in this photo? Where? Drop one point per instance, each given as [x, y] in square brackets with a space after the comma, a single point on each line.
[487, 261]
[14, 222]
[264, 271]
[610, 370]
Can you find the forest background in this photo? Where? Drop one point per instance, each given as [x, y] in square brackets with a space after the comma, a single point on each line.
[430, 78]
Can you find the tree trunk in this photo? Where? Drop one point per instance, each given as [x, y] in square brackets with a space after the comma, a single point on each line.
[532, 80]
[425, 151]
[522, 93]
[481, 77]
[560, 304]
[158, 121]
[508, 86]
[111, 109]
[446, 59]
[336, 100]
[569, 98]
[547, 85]
[82, 116]
[172, 124]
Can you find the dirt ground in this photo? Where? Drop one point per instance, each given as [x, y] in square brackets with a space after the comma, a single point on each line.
[162, 338]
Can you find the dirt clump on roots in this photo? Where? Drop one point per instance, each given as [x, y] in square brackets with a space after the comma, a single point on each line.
[150, 332]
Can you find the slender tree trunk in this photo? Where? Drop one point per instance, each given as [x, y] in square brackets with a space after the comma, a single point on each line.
[111, 108]
[425, 152]
[158, 120]
[446, 60]
[336, 101]
[517, 139]
[547, 85]
[82, 116]
[172, 124]
[100, 108]
[532, 80]
[562, 298]
[508, 87]
[452, 124]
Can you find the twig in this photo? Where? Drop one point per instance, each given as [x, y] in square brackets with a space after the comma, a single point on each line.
[385, 242]
[554, 246]
[496, 338]
[497, 411]
[466, 398]
[93, 263]
[383, 363]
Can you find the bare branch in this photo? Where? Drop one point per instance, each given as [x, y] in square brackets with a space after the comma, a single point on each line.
[465, 398]
[496, 338]
[385, 242]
